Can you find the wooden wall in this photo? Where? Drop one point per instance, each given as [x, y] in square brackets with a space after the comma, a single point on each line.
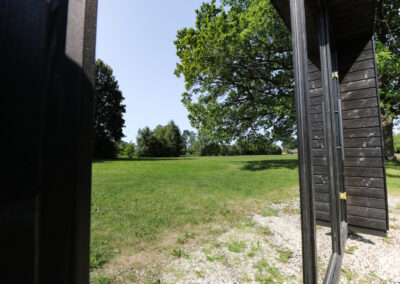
[364, 168]
[318, 145]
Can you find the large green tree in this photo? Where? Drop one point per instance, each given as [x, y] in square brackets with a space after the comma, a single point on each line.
[163, 141]
[109, 110]
[237, 66]
[387, 34]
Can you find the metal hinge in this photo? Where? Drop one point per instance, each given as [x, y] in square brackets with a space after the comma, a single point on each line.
[335, 75]
[342, 195]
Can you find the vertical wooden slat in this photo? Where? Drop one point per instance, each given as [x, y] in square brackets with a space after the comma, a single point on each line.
[298, 24]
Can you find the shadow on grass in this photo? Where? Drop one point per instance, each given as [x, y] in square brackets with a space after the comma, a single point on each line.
[151, 159]
[268, 164]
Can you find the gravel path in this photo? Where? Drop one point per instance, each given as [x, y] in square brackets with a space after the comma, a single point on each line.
[268, 250]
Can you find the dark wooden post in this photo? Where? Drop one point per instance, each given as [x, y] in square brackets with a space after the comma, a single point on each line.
[298, 23]
[47, 52]
[331, 114]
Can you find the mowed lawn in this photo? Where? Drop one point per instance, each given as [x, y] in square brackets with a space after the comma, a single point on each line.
[135, 201]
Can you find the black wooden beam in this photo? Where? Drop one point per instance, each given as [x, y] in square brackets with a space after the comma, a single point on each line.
[298, 23]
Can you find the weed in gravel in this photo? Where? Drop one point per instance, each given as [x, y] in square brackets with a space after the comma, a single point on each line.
[185, 238]
[398, 207]
[269, 212]
[267, 231]
[319, 227]
[206, 250]
[236, 246]
[263, 278]
[199, 273]
[348, 273]
[395, 227]
[393, 219]
[261, 264]
[274, 271]
[246, 278]
[215, 244]
[350, 249]
[371, 273]
[290, 210]
[101, 280]
[179, 253]
[251, 254]
[218, 257]
[284, 255]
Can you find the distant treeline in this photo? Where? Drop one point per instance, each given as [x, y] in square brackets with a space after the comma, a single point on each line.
[168, 141]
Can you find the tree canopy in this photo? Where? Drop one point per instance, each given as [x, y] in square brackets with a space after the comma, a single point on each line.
[237, 66]
[109, 110]
[163, 141]
[387, 34]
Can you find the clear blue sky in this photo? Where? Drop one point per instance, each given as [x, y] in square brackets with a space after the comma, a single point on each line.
[136, 39]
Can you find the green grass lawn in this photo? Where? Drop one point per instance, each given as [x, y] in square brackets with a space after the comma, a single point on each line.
[135, 201]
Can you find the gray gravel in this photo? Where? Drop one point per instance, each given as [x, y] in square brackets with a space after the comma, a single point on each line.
[248, 254]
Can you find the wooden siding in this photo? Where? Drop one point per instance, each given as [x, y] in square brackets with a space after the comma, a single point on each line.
[318, 145]
[364, 170]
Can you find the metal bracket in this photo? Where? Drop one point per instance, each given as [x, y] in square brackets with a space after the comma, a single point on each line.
[335, 75]
[342, 195]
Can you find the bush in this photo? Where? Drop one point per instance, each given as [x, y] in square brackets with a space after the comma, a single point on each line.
[273, 150]
[130, 150]
[396, 141]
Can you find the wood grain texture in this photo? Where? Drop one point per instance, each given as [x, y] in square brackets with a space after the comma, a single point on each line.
[362, 132]
[358, 94]
[363, 152]
[363, 162]
[360, 113]
[370, 192]
[362, 142]
[366, 222]
[364, 182]
[363, 172]
[361, 103]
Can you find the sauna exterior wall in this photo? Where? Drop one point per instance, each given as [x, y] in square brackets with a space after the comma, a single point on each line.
[364, 164]
[364, 167]
[320, 177]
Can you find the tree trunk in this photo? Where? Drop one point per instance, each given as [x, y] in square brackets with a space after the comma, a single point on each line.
[387, 126]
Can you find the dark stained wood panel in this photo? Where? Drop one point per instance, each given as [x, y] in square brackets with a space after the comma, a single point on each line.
[358, 75]
[357, 85]
[362, 142]
[364, 182]
[363, 172]
[360, 113]
[370, 192]
[361, 122]
[358, 94]
[363, 162]
[361, 103]
[320, 187]
[363, 152]
[366, 202]
[377, 224]
[362, 132]
[318, 145]
[322, 206]
[366, 212]
[316, 109]
[364, 168]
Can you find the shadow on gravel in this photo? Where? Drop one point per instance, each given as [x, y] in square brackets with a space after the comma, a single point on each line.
[269, 164]
[358, 238]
